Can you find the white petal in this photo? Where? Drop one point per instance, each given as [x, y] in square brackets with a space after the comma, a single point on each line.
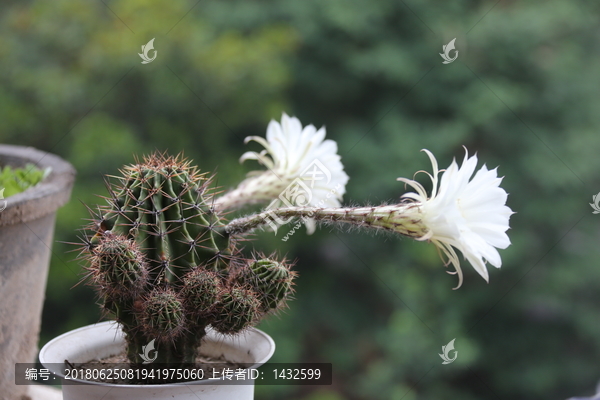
[292, 150]
[478, 265]
[492, 235]
[467, 212]
[311, 226]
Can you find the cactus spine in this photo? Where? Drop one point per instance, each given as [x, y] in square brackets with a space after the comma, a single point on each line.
[164, 266]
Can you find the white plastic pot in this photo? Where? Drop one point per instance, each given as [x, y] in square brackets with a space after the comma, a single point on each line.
[106, 339]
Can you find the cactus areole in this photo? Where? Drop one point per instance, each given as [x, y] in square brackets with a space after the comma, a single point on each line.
[162, 263]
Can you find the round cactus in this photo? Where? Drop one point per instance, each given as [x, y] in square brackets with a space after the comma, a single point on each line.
[201, 291]
[163, 316]
[237, 309]
[271, 280]
[118, 267]
[165, 205]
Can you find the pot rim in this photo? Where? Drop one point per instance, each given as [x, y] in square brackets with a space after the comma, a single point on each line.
[220, 381]
[44, 198]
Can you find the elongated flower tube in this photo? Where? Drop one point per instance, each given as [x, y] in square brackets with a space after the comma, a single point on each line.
[462, 213]
[302, 169]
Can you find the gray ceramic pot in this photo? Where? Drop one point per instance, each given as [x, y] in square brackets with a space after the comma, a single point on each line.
[26, 237]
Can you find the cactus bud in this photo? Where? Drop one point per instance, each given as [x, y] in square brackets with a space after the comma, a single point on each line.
[201, 289]
[238, 308]
[118, 267]
[271, 281]
[163, 315]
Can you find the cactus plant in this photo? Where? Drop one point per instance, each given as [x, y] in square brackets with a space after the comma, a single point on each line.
[163, 264]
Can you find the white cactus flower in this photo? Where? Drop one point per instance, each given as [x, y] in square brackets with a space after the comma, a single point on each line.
[303, 169]
[465, 214]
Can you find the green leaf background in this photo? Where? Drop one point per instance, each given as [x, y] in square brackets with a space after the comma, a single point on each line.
[523, 94]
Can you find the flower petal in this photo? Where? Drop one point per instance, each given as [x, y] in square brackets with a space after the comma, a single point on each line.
[467, 212]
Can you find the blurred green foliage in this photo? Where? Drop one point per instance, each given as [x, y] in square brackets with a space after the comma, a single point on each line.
[522, 94]
[17, 180]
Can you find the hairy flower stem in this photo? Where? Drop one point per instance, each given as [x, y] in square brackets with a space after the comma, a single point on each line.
[404, 219]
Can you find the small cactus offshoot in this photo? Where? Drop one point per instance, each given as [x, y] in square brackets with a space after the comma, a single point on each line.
[163, 264]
